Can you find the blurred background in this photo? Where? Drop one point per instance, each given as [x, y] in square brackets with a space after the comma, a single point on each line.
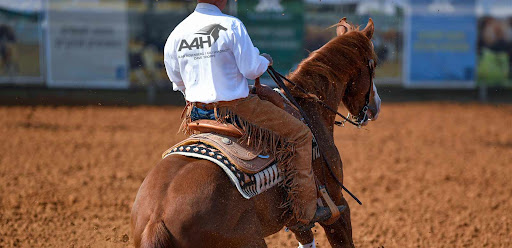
[433, 171]
[51, 47]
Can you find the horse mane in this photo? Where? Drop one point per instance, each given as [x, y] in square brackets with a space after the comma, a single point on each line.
[329, 67]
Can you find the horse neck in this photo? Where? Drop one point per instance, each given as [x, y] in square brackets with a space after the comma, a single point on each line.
[316, 111]
[322, 127]
[322, 119]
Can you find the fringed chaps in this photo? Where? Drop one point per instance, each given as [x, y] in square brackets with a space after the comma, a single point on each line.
[266, 140]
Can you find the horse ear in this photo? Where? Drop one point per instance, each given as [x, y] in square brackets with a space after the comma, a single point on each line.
[343, 26]
[368, 30]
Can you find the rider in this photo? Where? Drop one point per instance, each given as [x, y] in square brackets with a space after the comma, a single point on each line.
[208, 57]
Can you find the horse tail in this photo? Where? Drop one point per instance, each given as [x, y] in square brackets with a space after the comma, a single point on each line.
[156, 235]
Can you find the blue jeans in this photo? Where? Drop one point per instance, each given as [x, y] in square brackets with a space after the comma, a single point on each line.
[201, 114]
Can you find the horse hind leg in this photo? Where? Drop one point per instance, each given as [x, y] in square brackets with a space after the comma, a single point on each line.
[156, 235]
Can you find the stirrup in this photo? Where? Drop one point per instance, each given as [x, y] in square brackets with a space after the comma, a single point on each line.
[322, 214]
[335, 211]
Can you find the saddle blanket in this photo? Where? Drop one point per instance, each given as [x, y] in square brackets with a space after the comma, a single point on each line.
[248, 184]
[251, 172]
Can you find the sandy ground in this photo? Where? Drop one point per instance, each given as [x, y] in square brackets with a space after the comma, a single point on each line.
[429, 174]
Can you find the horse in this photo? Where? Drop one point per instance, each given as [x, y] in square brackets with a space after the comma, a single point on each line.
[189, 202]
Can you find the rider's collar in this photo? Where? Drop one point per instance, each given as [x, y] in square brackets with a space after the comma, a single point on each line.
[206, 7]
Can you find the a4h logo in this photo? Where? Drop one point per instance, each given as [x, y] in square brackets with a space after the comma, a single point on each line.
[208, 32]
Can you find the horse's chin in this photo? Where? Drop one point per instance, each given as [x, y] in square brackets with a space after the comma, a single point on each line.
[363, 122]
[373, 113]
[374, 108]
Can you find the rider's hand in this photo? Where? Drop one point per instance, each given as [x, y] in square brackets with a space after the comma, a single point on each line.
[268, 94]
[268, 58]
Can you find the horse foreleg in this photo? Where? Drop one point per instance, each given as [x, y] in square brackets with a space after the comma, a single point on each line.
[339, 233]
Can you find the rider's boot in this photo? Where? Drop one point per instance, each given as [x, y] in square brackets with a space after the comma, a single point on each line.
[322, 215]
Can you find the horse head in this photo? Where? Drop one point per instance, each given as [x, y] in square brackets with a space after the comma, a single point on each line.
[361, 97]
[342, 71]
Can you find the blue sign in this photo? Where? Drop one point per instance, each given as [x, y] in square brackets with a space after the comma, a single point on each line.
[441, 44]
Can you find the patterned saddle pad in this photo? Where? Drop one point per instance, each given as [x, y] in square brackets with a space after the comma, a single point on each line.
[251, 172]
[248, 184]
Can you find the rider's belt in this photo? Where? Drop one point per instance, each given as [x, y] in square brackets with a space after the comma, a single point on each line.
[213, 105]
[205, 106]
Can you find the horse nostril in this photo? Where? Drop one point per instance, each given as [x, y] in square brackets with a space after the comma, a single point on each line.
[374, 116]
[371, 114]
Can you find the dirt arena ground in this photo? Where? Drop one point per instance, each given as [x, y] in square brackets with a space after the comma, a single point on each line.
[429, 174]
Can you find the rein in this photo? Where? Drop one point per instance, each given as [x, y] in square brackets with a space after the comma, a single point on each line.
[277, 77]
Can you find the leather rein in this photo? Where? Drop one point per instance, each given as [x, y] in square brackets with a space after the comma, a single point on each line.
[359, 120]
[354, 120]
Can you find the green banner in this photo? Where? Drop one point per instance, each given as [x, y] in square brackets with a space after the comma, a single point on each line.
[495, 52]
[276, 27]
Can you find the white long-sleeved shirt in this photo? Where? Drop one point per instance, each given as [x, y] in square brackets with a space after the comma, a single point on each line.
[209, 56]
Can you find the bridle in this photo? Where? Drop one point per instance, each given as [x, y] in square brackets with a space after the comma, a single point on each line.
[278, 78]
[357, 121]
[362, 117]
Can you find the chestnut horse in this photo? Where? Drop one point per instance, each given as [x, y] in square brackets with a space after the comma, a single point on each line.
[189, 202]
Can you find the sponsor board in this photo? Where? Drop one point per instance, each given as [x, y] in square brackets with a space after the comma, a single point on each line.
[440, 44]
[276, 27]
[494, 43]
[87, 44]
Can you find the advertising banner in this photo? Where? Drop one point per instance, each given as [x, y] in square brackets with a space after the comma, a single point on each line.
[440, 44]
[87, 44]
[20, 42]
[276, 27]
[495, 43]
